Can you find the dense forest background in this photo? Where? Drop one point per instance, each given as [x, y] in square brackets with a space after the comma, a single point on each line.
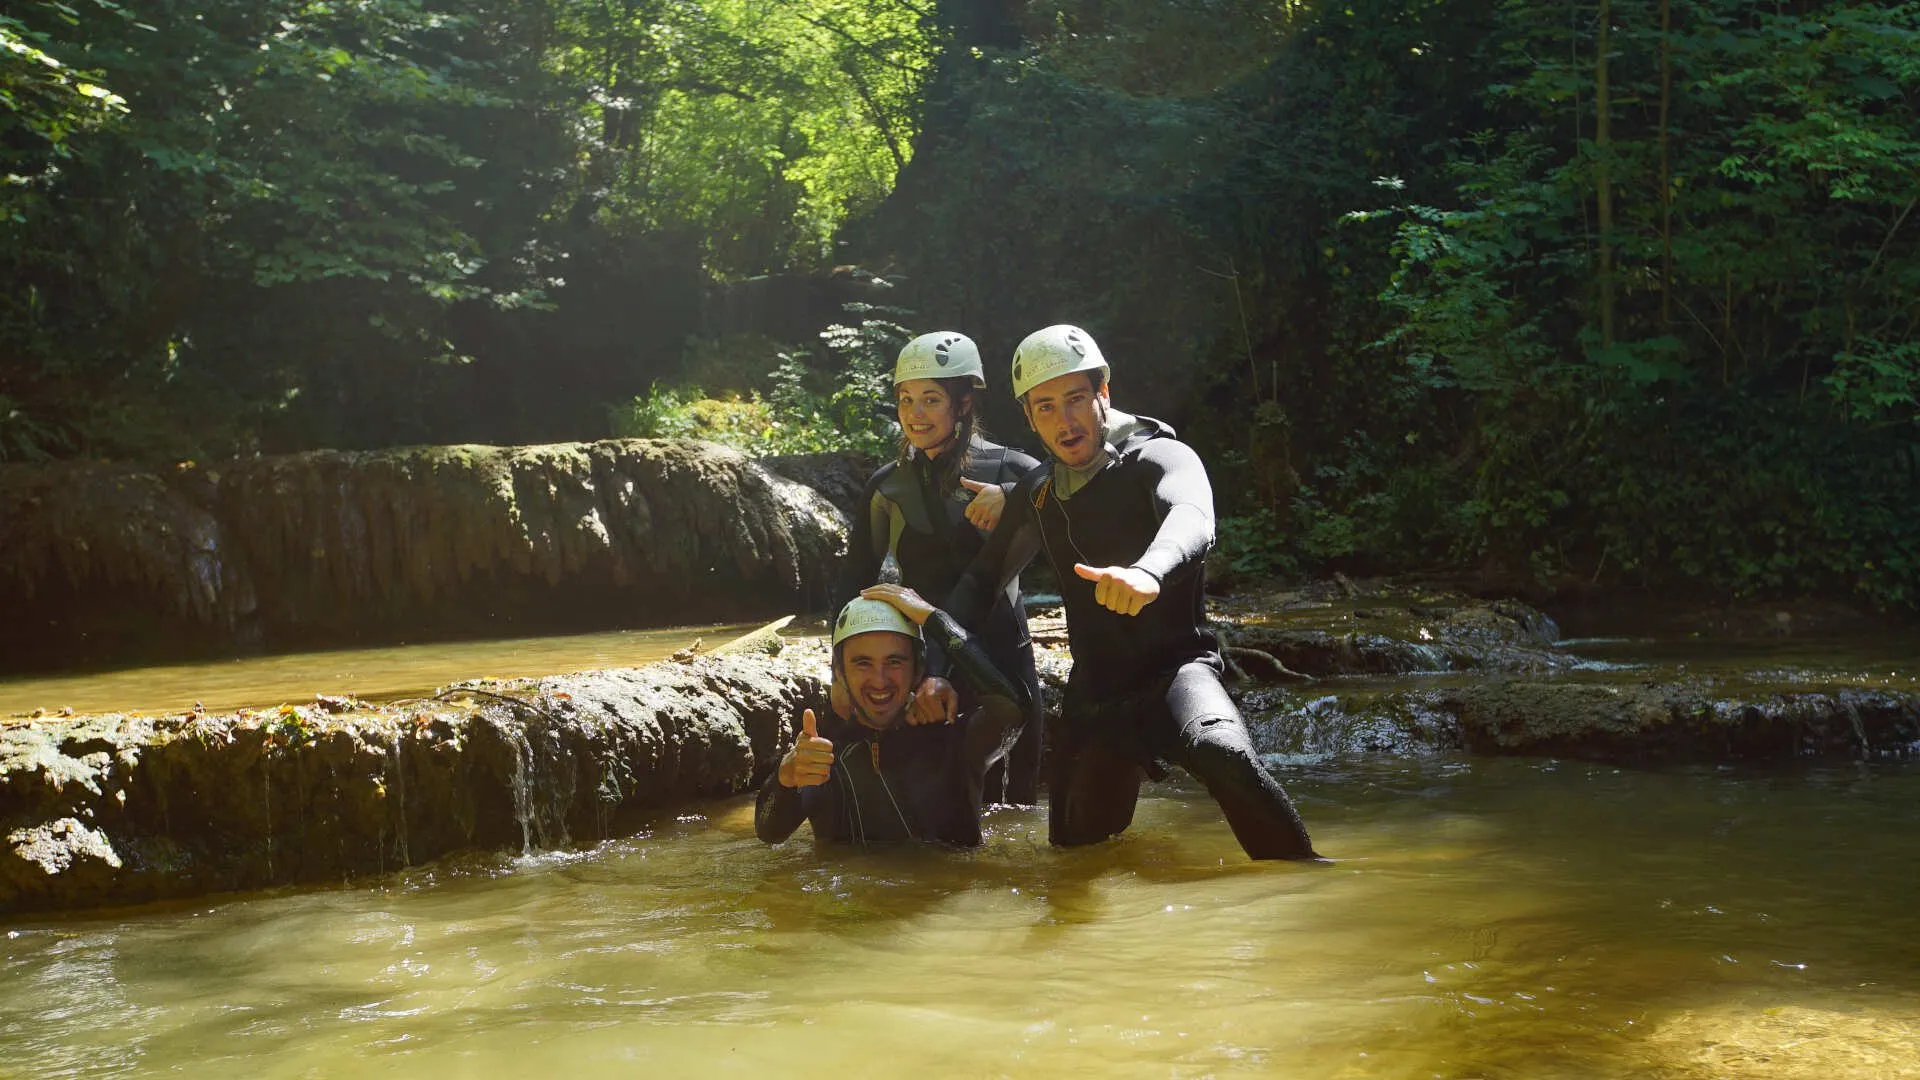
[1609, 292]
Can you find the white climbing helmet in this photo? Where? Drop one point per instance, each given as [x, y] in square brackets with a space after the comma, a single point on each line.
[1053, 352]
[943, 354]
[863, 616]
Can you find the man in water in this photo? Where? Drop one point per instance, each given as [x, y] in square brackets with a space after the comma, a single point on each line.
[1125, 513]
[889, 764]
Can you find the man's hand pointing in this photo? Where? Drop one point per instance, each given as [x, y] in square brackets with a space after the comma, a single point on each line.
[1125, 589]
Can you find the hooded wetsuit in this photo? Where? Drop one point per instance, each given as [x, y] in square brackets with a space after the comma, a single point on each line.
[932, 542]
[1145, 688]
[906, 782]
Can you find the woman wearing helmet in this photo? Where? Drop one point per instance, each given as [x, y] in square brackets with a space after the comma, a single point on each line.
[931, 509]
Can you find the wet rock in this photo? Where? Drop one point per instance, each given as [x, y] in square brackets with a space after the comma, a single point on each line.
[1653, 723]
[119, 809]
[1316, 633]
[1344, 725]
[80, 856]
[840, 478]
[1480, 641]
[1682, 722]
[100, 562]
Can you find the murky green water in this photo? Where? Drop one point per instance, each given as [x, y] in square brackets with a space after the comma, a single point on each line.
[1485, 919]
[373, 674]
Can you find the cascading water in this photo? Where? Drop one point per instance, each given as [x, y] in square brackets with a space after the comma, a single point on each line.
[398, 786]
[542, 783]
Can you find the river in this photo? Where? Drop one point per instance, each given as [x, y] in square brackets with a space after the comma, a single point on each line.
[376, 674]
[1484, 918]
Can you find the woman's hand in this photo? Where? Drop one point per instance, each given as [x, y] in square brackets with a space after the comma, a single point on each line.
[989, 502]
[904, 600]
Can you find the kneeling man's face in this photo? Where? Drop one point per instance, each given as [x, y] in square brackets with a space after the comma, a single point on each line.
[879, 669]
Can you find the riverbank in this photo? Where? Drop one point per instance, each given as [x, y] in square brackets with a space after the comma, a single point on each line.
[117, 809]
[107, 565]
[125, 808]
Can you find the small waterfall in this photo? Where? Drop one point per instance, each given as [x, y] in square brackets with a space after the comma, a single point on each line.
[398, 787]
[522, 786]
[1859, 728]
[542, 785]
[553, 777]
[266, 801]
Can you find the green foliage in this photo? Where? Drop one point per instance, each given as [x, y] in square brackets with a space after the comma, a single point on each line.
[1253, 543]
[666, 412]
[22, 438]
[844, 405]
[759, 126]
[278, 224]
[1760, 302]
[291, 727]
[47, 106]
[1877, 381]
[854, 409]
[1677, 347]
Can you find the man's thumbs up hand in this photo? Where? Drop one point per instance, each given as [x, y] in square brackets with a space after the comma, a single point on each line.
[810, 761]
[1125, 589]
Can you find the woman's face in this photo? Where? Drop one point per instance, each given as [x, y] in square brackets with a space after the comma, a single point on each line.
[927, 414]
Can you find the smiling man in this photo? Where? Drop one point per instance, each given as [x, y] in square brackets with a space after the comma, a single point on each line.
[887, 764]
[1125, 513]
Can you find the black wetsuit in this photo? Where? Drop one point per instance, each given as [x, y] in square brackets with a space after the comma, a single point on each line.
[1145, 688]
[906, 782]
[933, 542]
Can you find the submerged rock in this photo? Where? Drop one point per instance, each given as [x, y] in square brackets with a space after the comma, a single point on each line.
[103, 562]
[1650, 724]
[119, 809]
[1416, 672]
[1384, 637]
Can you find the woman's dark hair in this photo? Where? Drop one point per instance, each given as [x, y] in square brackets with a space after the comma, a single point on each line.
[947, 467]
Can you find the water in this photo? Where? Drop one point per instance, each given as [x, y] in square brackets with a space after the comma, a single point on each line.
[373, 674]
[1883, 660]
[1496, 918]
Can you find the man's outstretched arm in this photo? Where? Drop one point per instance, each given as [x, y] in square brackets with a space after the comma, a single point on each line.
[1183, 501]
[1000, 712]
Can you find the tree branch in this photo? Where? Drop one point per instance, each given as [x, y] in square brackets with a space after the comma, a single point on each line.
[865, 47]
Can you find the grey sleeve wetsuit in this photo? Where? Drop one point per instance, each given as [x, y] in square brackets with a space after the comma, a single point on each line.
[1145, 688]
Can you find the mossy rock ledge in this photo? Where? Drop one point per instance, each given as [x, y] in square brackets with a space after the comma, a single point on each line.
[1331, 684]
[108, 563]
[118, 809]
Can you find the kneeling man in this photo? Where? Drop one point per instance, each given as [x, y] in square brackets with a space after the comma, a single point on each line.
[887, 765]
